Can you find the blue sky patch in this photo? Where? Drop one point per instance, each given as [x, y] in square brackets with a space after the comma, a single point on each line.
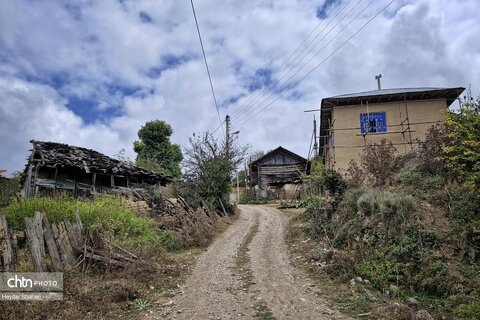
[74, 11]
[144, 17]
[324, 10]
[262, 78]
[167, 62]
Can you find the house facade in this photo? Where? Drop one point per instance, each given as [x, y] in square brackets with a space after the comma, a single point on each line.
[351, 122]
[276, 175]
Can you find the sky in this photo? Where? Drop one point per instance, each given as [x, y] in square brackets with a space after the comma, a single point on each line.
[91, 73]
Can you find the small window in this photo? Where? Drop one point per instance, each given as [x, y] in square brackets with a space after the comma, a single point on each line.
[373, 122]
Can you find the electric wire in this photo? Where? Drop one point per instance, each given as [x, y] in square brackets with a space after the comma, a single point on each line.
[321, 63]
[286, 62]
[206, 65]
[313, 57]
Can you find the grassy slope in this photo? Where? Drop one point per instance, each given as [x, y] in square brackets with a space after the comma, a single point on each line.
[412, 247]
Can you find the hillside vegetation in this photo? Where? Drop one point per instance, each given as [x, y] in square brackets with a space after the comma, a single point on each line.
[406, 227]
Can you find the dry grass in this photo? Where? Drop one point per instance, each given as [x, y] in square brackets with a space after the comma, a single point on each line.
[99, 293]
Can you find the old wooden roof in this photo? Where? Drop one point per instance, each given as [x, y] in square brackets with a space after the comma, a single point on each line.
[275, 151]
[55, 154]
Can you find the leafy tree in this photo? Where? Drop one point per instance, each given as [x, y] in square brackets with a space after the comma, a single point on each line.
[155, 151]
[9, 188]
[462, 154]
[210, 166]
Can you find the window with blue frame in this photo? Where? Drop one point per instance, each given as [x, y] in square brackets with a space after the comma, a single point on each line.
[373, 122]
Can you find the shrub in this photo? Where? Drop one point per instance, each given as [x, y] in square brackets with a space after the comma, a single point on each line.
[320, 180]
[379, 162]
[168, 240]
[379, 272]
[334, 183]
[469, 311]
[386, 203]
[355, 174]
[8, 189]
[106, 212]
[367, 204]
[421, 181]
[462, 154]
[313, 202]
[414, 245]
[463, 204]
[431, 152]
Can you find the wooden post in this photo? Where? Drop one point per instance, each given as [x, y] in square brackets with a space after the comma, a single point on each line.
[64, 246]
[75, 186]
[35, 179]
[56, 179]
[29, 181]
[51, 245]
[5, 243]
[94, 180]
[35, 242]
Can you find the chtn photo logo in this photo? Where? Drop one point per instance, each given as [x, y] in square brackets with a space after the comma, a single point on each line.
[19, 282]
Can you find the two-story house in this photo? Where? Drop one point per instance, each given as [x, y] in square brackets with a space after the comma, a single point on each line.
[351, 122]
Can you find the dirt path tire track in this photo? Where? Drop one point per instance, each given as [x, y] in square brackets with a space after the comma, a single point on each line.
[286, 291]
[215, 289]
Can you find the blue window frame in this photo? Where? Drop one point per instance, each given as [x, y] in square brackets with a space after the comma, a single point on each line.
[373, 122]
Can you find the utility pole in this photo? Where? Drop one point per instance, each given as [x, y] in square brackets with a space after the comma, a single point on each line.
[317, 142]
[238, 189]
[315, 145]
[227, 134]
[378, 81]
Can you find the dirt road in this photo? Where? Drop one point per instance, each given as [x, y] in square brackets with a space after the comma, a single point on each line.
[246, 274]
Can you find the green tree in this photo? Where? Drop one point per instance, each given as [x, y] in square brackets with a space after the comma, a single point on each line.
[210, 166]
[154, 150]
[462, 154]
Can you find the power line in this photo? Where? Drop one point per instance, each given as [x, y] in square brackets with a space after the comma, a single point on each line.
[206, 65]
[286, 61]
[281, 76]
[323, 61]
[315, 55]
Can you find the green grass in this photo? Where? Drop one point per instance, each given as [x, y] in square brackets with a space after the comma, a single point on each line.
[104, 212]
[263, 312]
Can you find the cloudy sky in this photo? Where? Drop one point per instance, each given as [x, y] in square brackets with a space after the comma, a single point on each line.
[90, 73]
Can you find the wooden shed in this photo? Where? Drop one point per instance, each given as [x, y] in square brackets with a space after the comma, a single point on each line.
[54, 167]
[276, 174]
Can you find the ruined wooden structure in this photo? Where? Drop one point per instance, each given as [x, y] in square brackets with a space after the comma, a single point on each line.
[59, 247]
[276, 175]
[55, 167]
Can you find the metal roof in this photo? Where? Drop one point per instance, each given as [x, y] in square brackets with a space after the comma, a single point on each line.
[390, 95]
[386, 91]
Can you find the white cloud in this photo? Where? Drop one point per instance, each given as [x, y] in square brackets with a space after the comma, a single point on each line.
[53, 50]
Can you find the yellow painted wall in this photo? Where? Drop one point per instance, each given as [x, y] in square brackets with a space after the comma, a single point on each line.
[349, 143]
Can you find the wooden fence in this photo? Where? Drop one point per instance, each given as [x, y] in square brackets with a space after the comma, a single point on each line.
[59, 247]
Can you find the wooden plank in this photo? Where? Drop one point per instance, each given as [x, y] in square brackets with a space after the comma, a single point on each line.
[7, 254]
[37, 167]
[72, 235]
[57, 264]
[28, 182]
[64, 246]
[56, 180]
[35, 242]
[223, 208]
